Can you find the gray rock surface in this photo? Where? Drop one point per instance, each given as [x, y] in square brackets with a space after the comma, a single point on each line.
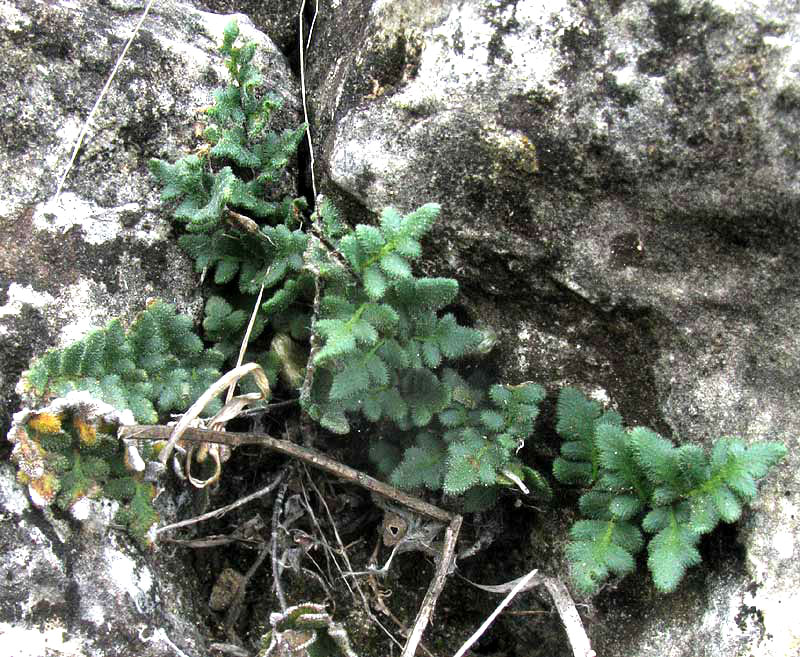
[99, 252]
[79, 590]
[620, 190]
[621, 195]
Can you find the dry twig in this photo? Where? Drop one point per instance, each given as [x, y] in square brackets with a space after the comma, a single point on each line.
[432, 595]
[218, 513]
[519, 586]
[346, 558]
[576, 634]
[323, 462]
[305, 454]
[277, 509]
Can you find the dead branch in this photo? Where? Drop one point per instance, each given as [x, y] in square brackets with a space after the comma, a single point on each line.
[305, 454]
[519, 586]
[570, 617]
[323, 462]
[435, 588]
[217, 540]
[346, 559]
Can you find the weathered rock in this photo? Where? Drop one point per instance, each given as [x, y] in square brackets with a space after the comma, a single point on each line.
[106, 246]
[621, 192]
[79, 590]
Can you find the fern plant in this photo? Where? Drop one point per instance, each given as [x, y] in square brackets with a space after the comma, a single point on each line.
[384, 338]
[382, 331]
[347, 322]
[637, 480]
[158, 365]
[234, 228]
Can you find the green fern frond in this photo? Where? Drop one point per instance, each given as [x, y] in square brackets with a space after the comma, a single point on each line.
[421, 465]
[578, 419]
[152, 368]
[600, 548]
[638, 477]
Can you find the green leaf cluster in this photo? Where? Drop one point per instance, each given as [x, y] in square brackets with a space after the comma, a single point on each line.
[382, 334]
[235, 231]
[82, 458]
[158, 365]
[343, 306]
[237, 134]
[384, 337]
[639, 483]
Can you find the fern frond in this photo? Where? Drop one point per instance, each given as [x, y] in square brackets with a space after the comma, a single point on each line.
[157, 362]
[422, 465]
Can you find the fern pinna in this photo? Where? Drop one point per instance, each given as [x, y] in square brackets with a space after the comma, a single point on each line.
[637, 480]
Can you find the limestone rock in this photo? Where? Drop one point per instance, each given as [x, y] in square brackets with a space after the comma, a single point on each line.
[99, 252]
[86, 593]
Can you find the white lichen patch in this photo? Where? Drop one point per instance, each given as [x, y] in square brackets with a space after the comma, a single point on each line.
[447, 72]
[95, 614]
[128, 576]
[23, 295]
[12, 19]
[82, 509]
[600, 395]
[12, 496]
[35, 561]
[21, 641]
[84, 312]
[537, 348]
[99, 224]
[779, 612]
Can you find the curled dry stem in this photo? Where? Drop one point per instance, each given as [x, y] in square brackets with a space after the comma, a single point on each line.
[211, 392]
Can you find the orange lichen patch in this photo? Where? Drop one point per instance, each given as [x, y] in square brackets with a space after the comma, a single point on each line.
[86, 432]
[27, 453]
[45, 423]
[43, 490]
[157, 447]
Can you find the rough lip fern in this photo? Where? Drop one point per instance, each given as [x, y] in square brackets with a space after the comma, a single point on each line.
[383, 334]
[348, 323]
[637, 480]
